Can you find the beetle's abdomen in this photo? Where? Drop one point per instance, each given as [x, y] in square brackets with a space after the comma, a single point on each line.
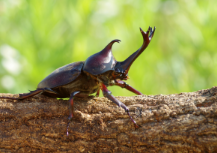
[84, 84]
[62, 76]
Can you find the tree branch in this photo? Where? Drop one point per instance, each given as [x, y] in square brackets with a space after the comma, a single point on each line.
[185, 122]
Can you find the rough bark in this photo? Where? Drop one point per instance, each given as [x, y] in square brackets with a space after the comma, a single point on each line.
[185, 122]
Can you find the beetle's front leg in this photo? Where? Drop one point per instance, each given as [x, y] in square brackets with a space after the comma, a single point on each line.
[108, 94]
[71, 109]
[123, 84]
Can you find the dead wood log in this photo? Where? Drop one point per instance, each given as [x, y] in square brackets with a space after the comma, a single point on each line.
[185, 122]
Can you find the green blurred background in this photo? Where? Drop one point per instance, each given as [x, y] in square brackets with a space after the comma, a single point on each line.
[36, 37]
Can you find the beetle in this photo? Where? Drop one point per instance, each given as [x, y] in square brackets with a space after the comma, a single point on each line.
[80, 79]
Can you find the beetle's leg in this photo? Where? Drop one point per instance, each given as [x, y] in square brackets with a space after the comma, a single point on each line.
[97, 93]
[24, 95]
[71, 109]
[30, 94]
[108, 94]
[123, 84]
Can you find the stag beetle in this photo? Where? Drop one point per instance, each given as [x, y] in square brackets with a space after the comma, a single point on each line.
[80, 79]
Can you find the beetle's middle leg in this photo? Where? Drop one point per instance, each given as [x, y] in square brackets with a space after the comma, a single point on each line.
[97, 93]
[123, 84]
[108, 94]
[71, 108]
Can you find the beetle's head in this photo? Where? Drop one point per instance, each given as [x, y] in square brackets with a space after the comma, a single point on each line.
[102, 61]
[122, 68]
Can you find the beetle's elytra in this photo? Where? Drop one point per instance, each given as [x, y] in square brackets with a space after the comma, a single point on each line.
[80, 79]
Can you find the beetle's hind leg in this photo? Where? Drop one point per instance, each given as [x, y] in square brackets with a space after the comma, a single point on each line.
[30, 94]
[36, 92]
[123, 84]
[108, 94]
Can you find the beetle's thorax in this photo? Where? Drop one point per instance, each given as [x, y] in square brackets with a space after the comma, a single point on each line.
[101, 62]
[105, 78]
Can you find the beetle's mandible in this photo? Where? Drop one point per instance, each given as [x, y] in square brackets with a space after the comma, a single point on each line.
[80, 79]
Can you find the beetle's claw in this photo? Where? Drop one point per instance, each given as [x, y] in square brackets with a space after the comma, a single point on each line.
[69, 120]
[67, 130]
[136, 126]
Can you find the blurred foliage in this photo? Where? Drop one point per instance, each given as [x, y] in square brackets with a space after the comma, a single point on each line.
[36, 37]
